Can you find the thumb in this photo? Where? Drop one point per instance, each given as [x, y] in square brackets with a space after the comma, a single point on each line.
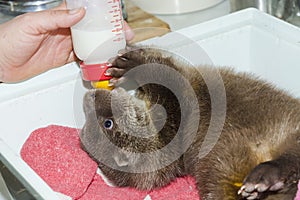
[49, 20]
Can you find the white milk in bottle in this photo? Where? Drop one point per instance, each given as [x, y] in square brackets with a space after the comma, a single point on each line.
[99, 35]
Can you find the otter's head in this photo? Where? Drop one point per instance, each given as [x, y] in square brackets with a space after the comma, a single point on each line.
[120, 135]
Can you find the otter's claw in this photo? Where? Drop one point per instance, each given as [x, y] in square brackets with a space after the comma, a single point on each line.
[250, 191]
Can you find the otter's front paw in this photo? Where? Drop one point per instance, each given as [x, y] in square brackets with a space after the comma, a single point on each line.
[125, 61]
[263, 179]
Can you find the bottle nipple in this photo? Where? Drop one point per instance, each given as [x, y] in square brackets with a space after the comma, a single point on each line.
[96, 74]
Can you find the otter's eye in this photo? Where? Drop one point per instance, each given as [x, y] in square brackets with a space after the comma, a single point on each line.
[108, 124]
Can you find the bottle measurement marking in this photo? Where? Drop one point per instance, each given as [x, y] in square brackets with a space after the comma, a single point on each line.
[114, 1]
[116, 21]
[115, 11]
[117, 30]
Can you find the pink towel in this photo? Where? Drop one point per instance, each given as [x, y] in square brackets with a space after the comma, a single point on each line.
[54, 153]
[298, 192]
[181, 189]
[99, 190]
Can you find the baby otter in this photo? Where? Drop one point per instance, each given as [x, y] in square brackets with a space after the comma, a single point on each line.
[175, 125]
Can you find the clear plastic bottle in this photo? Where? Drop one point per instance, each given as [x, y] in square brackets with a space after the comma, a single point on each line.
[98, 36]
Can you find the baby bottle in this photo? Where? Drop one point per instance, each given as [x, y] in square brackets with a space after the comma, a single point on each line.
[97, 37]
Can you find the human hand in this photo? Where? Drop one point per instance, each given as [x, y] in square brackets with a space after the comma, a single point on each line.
[33, 43]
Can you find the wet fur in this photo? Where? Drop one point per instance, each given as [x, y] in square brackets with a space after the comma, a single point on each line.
[259, 143]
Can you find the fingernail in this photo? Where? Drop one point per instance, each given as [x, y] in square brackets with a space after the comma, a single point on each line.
[74, 11]
[129, 34]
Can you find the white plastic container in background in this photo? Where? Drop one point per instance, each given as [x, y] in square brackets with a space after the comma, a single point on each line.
[166, 7]
[99, 35]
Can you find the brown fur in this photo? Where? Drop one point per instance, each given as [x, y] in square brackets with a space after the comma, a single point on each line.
[258, 145]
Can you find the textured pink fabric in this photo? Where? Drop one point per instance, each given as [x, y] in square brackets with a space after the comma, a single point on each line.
[298, 192]
[99, 190]
[54, 153]
[181, 189]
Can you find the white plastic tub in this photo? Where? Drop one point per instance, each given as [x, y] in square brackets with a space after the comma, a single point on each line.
[248, 40]
[167, 7]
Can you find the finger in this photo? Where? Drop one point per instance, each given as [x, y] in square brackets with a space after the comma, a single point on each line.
[129, 34]
[50, 20]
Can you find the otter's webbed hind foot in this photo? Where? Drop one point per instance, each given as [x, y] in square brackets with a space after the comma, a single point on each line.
[268, 178]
